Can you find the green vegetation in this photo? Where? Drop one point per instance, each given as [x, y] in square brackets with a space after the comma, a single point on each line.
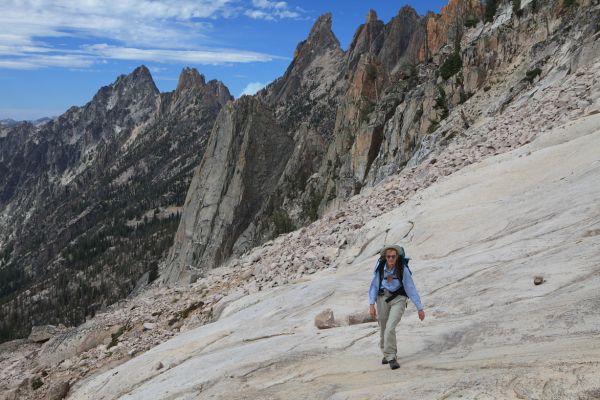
[441, 102]
[451, 66]
[37, 383]
[516, 8]
[490, 10]
[418, 115]
[568, 4]
[531, 75]
[282, 222]
[464, 96]
[312, 207]
[471, 21]
[433, 126]
[371, 72]
[365, 111]
[114, 338]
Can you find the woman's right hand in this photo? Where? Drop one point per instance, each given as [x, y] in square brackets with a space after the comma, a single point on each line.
[372, 311]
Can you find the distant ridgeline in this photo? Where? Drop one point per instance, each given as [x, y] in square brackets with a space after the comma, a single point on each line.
[92, 202]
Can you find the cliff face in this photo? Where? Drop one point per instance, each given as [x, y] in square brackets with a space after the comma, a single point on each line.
[89, 201]
[240, 169]
[355, 117]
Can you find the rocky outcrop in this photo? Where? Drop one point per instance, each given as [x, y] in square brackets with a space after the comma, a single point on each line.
[446, 28]
[380, 106]
[242, 163]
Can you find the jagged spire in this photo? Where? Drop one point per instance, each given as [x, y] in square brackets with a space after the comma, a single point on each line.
[190, 78]
[140, 78]
[371, 16]
[321, 35]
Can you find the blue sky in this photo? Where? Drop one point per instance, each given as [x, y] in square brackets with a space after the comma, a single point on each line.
[58, 53]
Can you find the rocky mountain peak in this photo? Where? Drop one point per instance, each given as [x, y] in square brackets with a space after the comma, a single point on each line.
[321, 36]
[220, 91]
[140, 78]
[368, 38]
[371, 16]
[132, 88]
[408, 11]
[190, 78]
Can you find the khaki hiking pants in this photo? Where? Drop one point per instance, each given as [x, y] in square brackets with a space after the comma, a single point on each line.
[388, 316]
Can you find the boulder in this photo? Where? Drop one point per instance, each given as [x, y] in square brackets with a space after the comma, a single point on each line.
[58, 390]
[361, 317]
[148, 326]
[74, 342]
[325, 319]
[43, 333]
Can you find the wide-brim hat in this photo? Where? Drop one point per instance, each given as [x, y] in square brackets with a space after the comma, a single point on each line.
[399, 249]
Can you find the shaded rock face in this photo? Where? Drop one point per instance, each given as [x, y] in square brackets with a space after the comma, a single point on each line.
[241, 166]
[358, 116]
[319, 102]
[90, 201]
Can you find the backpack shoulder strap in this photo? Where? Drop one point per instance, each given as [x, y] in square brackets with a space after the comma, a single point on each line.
[379, 269]
[406, 265]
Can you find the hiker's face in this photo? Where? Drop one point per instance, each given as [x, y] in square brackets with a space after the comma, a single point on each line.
[390, 257]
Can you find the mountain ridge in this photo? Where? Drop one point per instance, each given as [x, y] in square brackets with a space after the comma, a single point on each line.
[97, 177]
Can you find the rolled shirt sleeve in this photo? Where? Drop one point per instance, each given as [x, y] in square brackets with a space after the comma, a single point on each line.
[410, 289]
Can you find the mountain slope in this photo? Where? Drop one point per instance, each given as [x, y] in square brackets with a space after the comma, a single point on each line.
[89, 201]
[478, 237]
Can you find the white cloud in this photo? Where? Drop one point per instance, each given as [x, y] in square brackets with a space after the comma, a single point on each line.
[252, 88]
[271, 10]
[214, 57]
[42, 61]
[143, 30]
[270, 4]
[258, 14]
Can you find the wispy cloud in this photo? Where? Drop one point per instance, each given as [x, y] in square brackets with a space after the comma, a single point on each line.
[252, 88]
[35, 61]
[143, 30]
[272, 10]
[192, 56]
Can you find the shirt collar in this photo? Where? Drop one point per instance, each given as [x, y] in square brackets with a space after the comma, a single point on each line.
[388, 269]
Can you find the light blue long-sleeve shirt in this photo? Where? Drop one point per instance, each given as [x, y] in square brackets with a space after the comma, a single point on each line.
[407, 283]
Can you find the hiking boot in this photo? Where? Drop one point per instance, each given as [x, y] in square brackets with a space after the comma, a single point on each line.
[384, 360]
[394, 364]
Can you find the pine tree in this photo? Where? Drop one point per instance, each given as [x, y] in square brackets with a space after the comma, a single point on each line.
[490, 10]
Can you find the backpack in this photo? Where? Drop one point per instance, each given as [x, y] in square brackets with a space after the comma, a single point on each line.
[399, 274]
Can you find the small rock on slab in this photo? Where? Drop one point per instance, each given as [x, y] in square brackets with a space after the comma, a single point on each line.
[538, 280]
[325, 320]
[361, 317]
[148, 326]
